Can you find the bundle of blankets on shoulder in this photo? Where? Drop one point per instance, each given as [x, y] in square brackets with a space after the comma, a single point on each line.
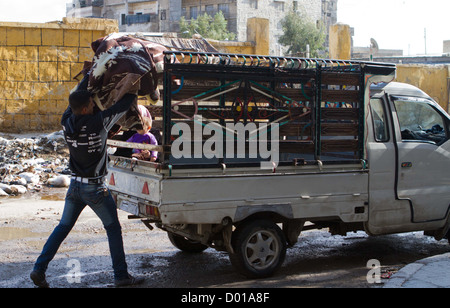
[124, 64]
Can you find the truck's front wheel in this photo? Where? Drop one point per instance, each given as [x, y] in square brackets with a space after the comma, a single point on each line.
[185, 244]
[259, 248]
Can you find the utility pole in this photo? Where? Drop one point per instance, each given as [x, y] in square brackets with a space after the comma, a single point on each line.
[425, 37]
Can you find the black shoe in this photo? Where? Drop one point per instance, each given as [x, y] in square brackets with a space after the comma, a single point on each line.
[129, 281]
[39, 279]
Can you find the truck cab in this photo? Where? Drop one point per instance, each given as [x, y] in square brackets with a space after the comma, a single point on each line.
[409, 157]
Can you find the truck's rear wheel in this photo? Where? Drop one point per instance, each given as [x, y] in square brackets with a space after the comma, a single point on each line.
[259, 248]
[185, 244]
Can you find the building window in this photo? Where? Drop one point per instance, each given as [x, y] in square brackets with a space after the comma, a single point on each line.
[254, 4]
[209, 9]
[193, 11]
[280, 6]
[225, 8]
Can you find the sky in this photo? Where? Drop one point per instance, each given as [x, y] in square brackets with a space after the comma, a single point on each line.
[394, 24]
[32, 10]
[398, 24]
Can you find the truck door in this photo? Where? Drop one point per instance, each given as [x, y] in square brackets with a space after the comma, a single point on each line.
[423, 157]
[386, 214]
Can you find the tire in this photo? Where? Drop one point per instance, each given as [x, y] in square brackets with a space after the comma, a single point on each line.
[185, 244]
[259, 249]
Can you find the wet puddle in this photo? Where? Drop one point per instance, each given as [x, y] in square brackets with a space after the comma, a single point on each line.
[9, 233]
[53, 197]
[53, 194]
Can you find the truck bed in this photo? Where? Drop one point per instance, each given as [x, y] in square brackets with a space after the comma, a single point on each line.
[208, 195]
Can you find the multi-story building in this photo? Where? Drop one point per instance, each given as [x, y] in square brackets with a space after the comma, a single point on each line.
[132, 15]
[84, 8]
[164, 15]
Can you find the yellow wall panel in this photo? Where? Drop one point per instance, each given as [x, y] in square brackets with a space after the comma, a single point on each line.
[52, 37]
[15, 36]
[27, 53]
[72, 38]
[8, 53]
[33, 36]
[37, 66]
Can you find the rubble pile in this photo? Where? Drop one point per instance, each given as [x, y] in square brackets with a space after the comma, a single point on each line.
[29, 163]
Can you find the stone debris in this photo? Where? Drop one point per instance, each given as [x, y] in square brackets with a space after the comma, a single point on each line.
[27, 163]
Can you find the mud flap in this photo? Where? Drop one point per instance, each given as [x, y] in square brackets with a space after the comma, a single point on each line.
[292, 230]
[227, 233]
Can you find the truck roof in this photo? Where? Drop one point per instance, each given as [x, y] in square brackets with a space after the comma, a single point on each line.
[398, 88]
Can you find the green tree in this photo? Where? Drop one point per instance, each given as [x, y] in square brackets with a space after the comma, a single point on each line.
[209, 27]
[300, 31]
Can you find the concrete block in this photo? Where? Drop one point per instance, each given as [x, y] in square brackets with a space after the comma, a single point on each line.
[340, 42]
[33, 36]
[3, 68]
[61, 105]
[68, 54]
[21, 122]
[71, 38]
[15, 36]
[85, 54]
[15, 71]
[48, 53]
[14, 106]
[40, 90]
[76, 68]
[2, 36]
[27, 53]
[24, 90]
[86, 39]
[31, 71]
[6, 121]
[48, 71]
[46, 106]
[2, 106]
[64, 71]
[8, 53]
[97, 34]
[8, 89]
[52, 37]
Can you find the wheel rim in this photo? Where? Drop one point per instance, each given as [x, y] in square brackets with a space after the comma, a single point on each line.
[262, 249]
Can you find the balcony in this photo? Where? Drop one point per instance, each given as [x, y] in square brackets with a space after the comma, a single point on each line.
[140, 19]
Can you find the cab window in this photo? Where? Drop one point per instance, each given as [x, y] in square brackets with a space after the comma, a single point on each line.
[380, 127]
[419, 121]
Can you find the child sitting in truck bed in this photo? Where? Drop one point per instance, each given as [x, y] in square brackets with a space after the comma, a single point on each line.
[144, 136]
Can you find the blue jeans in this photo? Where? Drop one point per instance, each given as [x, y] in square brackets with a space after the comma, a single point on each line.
[78, 196]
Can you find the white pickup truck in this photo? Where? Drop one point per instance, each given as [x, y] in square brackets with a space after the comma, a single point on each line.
[352, 151]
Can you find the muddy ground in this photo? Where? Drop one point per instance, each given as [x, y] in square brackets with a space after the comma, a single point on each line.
[317, 260]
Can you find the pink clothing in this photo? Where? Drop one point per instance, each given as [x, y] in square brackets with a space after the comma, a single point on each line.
[144, 112]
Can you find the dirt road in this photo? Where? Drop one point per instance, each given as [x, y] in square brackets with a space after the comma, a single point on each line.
[317, 260]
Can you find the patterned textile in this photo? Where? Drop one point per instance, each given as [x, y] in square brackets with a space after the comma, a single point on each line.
[124, 64]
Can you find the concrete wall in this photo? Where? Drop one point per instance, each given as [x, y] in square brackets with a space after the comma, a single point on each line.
[340, 42]
[38, 62]
[432, 79]
[274, 11]
[257, 43]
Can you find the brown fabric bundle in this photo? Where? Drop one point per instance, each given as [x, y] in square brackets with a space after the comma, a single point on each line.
[124, 64]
